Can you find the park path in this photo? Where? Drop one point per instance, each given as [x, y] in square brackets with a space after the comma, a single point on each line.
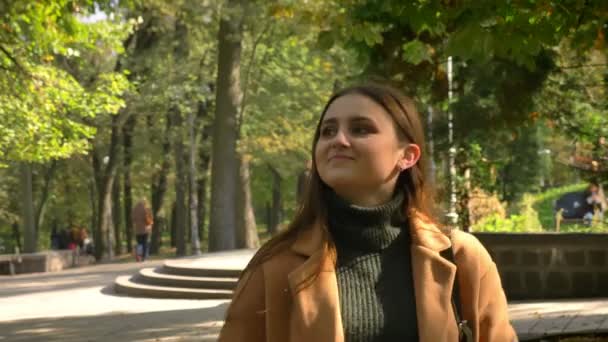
[80, 305]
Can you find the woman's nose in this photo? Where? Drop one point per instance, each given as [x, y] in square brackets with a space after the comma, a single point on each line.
[340, 139]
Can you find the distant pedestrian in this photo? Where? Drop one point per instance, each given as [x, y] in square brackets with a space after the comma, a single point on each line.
[596, 202]
[55, 237]
[142, 221]
[85, 243]
[302, 181]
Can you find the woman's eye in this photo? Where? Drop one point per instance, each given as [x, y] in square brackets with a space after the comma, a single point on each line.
[328, 131]
[361, 130]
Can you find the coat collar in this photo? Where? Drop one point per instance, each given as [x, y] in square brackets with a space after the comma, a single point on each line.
[317, 305]
[423, 231]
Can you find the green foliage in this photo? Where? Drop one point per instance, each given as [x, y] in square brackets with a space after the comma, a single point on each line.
[416, 52]
[44, 110]
[573, 101]
[495, 224]
[287, 82]
[535, 213]
[526, 221]
[517, 83]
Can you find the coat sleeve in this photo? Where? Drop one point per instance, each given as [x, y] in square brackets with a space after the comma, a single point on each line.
[494, 325]
[246, 319]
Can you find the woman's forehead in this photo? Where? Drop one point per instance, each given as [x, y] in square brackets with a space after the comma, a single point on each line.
[355, 107]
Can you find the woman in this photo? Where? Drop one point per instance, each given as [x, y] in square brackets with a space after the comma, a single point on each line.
[141, 215]
[362, 259]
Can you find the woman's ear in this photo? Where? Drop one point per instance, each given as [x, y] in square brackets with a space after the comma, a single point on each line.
[411, 155]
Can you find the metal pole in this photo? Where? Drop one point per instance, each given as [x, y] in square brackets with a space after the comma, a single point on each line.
[431, 145]
[451, 215]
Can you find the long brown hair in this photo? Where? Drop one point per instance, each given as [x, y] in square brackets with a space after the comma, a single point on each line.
[413, 181]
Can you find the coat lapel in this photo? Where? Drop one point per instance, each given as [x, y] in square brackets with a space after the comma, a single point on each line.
[316, 315]
[433, 282]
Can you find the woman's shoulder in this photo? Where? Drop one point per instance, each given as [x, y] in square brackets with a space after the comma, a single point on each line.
[470, 252]
[277, 260]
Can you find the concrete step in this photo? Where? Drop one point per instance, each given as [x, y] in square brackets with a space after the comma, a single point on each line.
[227, 264]
[208, 276]
[129, 286]
[161, 277]
[193, 270]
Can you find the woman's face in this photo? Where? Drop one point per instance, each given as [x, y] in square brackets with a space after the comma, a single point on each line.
[359, 153]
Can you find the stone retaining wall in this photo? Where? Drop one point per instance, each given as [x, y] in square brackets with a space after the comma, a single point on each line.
[549, 265]
[49, 261]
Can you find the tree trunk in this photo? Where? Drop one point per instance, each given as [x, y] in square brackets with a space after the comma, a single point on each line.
[268, 210]
[247, 234]
[17, 238]
[276, 209]
[27, 210]
[44, 195]
[127, 143]
[173, 224]
[228, 98]
[116, 217]
[104, 244]
[93, 204]
[204, 161]
[159, 189]
[194, 224]
[180, 184]
[202, 186]
[104, 221]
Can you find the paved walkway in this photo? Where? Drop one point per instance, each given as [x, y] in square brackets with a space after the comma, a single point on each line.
[79, 305]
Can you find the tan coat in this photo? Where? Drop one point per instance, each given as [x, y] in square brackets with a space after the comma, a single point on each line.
[267, 307]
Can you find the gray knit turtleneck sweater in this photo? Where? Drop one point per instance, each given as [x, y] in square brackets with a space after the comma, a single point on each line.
[374, 271]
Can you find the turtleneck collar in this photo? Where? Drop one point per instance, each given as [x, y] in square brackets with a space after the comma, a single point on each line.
[364, 228]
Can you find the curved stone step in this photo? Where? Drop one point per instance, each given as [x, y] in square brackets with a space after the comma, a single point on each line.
[193, 271]
[125, 285]
[160, 277]
[228, 264]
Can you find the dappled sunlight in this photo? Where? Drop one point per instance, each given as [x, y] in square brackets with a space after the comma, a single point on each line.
[557, 308]
[169, 325]
[58, 282]
[35, 331]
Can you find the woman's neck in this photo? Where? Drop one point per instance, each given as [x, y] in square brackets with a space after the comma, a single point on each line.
[364, 198]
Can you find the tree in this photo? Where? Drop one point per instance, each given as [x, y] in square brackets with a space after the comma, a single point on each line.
[44, 109]
[228, 96]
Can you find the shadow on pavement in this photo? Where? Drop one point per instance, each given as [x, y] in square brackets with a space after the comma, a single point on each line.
[67, 280]
[178, 325]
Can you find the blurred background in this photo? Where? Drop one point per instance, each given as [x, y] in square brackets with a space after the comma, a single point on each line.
[206, 109]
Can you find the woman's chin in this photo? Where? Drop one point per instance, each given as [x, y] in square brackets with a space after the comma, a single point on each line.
[339, 185]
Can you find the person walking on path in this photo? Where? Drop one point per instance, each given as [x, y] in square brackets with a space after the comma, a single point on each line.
[364, 259]
[302, 182]
[142, 221]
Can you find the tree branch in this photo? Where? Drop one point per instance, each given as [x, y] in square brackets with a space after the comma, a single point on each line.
[13, 59]
[583, 66]
[246, 80]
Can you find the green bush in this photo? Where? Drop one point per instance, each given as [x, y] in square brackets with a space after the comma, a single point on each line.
[534, 213]
[526, 221]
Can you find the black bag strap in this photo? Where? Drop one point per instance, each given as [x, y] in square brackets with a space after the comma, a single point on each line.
[464, 331]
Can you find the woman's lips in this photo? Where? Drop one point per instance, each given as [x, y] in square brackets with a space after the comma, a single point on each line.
[340, 157]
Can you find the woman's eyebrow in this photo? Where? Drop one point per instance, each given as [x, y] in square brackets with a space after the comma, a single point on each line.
[355, 118]
[358, 118]
[329, 121]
